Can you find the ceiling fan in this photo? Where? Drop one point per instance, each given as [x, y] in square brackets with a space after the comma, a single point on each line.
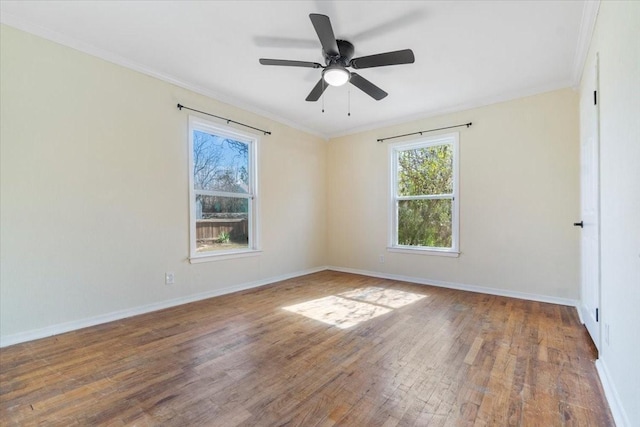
[338, 55]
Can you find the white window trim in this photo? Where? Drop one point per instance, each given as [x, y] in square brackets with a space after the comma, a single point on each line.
[454, 251]
[198, 123]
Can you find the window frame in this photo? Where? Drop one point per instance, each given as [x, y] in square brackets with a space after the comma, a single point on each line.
[394, 150]
[199, 124]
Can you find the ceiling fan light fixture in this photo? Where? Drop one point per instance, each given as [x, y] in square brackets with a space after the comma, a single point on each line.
[336, 75]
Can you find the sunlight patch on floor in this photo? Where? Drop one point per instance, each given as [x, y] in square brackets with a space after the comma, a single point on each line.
[353, 307]
[381, 296]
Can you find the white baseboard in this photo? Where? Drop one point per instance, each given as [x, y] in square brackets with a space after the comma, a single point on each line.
[580, 308]
[619, 415]
[134, 311]
[610, 393]
[462, 287]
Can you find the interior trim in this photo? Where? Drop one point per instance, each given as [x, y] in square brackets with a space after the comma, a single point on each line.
[610, 394]
[73, 325]
[462, 287]
[587, 27]
[54, 36]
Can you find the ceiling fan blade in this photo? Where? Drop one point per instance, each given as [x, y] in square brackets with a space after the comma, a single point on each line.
[317, 91]
[367, 87]
[382, 59]
[287, 63]
[322, 24]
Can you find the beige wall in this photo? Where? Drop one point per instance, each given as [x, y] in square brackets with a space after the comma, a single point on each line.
[94, 190]
[617, 41]
[519, 194]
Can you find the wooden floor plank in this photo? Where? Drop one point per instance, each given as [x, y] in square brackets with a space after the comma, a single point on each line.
[451, 358]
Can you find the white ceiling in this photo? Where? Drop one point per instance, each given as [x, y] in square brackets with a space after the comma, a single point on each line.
[468, 53]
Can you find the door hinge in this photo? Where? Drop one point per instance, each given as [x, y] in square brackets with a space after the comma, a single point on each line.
[596, 314]
[595, 97]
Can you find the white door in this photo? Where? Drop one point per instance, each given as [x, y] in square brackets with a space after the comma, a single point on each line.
[590, 202]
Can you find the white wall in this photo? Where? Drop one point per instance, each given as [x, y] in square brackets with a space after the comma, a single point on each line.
[94, 191]
[617, 40]
[519, 194]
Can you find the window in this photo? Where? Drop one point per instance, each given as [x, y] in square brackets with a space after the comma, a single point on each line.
[223, 191]
[424, 196]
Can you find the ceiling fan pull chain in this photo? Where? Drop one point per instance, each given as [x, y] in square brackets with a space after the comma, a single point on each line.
[323, 95]
[349, 103]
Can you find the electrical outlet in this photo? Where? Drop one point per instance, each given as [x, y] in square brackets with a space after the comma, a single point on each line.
[169, 278]
[606, 333]
[381, 259]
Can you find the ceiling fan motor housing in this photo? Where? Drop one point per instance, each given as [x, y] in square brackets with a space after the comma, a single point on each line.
[346, 53]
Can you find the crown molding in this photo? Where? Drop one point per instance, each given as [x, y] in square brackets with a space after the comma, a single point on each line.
[458, 108]
[587, 27]
[73, 43]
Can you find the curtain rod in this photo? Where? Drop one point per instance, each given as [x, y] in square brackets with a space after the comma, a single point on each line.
[424, 131]
[266, 132]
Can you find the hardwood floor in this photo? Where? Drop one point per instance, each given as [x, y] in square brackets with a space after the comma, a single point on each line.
[449, 358]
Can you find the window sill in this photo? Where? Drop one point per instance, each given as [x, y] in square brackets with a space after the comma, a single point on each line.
[417, 251]
[224, 256]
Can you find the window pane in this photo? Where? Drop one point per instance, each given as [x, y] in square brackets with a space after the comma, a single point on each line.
[424, 171]
[220, 164]
[425, 223]
[221, 223]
